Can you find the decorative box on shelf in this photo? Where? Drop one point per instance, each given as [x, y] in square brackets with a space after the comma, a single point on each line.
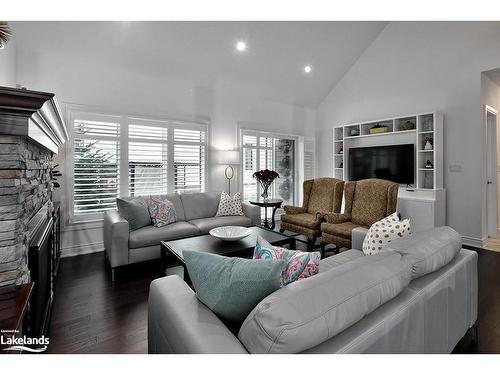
[378, 130]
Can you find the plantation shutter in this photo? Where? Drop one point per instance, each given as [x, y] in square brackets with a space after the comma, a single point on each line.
[147, 159]
[309, 151]
[95, 165]
[189, 158]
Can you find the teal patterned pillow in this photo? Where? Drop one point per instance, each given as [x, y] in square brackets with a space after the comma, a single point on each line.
[299, 264]
[232, 287]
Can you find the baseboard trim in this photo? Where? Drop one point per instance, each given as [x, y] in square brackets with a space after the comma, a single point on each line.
[71, 251]
[474, 242]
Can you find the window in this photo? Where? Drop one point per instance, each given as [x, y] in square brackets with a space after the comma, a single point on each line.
[96, 165]
[125, 156]
[264, 151]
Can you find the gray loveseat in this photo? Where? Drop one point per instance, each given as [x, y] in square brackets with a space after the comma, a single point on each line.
[392, 302]
[195, 215]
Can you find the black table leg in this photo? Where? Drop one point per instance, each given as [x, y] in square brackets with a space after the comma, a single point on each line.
[273, 223]
[266, 221]
[163, 260]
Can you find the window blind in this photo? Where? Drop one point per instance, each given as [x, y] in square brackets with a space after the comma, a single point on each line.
[147, 160]
[96, 165]
[189, 160]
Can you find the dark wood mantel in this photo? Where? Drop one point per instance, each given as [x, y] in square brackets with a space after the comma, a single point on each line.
[32, 114]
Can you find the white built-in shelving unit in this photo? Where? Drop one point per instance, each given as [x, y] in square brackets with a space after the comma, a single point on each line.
[427, 126]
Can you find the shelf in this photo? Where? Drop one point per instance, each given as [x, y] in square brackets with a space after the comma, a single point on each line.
[380, 134]
[339, 169]
[339, 140]
[426, 169]
[426, 132]
[425, 150]
[339, 154]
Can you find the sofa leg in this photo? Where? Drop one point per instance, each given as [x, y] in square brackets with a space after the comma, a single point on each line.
[112, 275]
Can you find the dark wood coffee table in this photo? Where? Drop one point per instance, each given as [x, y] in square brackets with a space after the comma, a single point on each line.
[208, 244]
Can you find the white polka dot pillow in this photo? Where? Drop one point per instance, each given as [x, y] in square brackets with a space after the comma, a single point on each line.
[230, 206]
[383, 232]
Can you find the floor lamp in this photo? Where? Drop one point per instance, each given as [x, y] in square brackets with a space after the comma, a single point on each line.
[228, 158]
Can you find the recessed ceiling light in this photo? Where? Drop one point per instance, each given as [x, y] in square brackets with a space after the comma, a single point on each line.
[307, 68]
[241, 46]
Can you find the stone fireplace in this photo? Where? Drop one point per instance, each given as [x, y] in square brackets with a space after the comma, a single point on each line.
[31, 131]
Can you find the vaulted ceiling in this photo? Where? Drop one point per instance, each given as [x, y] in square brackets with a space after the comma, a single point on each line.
[204, 52]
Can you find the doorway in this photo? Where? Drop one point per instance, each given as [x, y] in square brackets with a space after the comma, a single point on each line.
[492, 171]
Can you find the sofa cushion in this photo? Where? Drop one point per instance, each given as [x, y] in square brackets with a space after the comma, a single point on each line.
[174, 198]
[299, 264]
[341, 230]
[135, 211]
[161, 210]
[200, 205]
[302, 315]
[150, 235]
[232, 287]
[383, 232]
[339, 259]
[429, 250]
[304, 220]
[230, 206]
[204, 225]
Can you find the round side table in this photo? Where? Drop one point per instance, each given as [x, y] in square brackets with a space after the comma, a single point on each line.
[275, 203]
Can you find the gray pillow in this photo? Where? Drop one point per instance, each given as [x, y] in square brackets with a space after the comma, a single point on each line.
[232, 287]
[135, 211]
[429, 250]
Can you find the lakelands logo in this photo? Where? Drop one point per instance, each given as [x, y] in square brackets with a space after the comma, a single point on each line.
[27, 344]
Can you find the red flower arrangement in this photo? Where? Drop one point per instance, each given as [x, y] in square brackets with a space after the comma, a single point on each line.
[265, 178]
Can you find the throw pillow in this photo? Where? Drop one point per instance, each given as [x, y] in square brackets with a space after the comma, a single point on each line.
[383, 232]
[230, 206]
[299, 265]
[135, 211]
[232, 287]
[161, 210]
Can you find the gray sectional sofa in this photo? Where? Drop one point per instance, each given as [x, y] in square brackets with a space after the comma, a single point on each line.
[195, 215]
[418, 297]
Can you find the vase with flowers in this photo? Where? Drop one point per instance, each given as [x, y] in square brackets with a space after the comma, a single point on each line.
[265, 178]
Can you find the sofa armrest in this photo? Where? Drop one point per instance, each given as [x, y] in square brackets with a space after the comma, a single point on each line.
[336, 218]
[179, 323]
[358, 236]
[293, 210]
[251, 211]
[116, 233]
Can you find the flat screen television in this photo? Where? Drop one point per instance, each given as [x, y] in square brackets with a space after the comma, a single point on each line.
[394, 163]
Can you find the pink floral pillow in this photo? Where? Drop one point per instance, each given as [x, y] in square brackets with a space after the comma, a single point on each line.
[299, 264]
[162, 211]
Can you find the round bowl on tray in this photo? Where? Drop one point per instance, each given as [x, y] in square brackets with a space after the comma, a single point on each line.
[230, 233]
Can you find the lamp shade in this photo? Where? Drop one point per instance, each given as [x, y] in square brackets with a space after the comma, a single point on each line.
[227, 157]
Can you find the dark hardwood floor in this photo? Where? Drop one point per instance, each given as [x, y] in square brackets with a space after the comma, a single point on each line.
[92, 315]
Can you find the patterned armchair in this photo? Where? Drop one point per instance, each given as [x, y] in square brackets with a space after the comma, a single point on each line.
[321, 196]
[366, 201]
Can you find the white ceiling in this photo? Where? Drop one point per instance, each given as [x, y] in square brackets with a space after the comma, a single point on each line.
[204, 52]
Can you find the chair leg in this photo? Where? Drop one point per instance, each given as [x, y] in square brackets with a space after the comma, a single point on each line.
[322, 246]
[310, 244]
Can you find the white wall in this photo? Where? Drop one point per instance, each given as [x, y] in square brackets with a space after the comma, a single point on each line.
[95, 83]
[423, 66]
[8, 64]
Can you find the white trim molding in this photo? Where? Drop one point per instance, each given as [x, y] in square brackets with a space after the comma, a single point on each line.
[474, 242]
